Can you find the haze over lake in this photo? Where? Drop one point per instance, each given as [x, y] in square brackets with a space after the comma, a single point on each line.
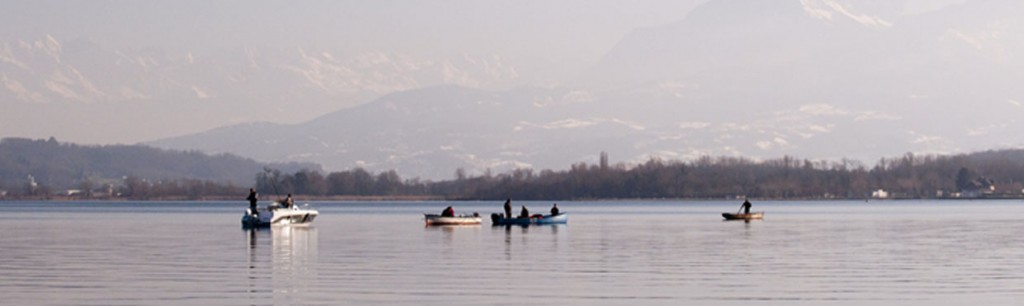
[610, 253]
[468, 99]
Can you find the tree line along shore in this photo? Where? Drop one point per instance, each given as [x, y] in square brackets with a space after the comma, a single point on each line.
[983, 175]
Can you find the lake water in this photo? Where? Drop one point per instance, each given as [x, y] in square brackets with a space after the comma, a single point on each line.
[610, 253]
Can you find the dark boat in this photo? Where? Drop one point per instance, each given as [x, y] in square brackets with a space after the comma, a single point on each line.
[562, 218]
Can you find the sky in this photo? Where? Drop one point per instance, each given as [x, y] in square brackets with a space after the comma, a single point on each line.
[141, 32]
[544, 28]
[569, 27]
[77, 97]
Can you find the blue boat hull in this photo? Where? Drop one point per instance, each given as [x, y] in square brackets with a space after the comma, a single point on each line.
[540, 220]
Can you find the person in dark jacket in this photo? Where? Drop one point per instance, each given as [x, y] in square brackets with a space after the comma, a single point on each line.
[288, 202]
[524, 213]
[554, 209]
[253, 198]
[448, 212]
[745, 206]
[508, 208]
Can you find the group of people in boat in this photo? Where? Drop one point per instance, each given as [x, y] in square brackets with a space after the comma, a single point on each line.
[525, 213]
[253, 197]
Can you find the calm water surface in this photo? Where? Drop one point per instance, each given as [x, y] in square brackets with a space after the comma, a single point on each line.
[614, 253]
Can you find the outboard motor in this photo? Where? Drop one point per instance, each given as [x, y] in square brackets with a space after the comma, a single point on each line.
[495, 217]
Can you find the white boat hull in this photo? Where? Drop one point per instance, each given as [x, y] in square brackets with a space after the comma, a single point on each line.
[280, 216]
[431, 219]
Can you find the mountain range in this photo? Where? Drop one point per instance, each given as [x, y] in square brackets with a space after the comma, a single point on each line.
[822, 79]
[121, 87]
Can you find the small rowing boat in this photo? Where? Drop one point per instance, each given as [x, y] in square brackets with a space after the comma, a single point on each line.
[434, 219]
[497, 219]
[750, 216]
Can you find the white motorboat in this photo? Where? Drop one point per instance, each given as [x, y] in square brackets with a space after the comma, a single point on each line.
[275, 214]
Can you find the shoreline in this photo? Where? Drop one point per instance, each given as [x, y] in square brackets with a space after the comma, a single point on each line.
[446, 199]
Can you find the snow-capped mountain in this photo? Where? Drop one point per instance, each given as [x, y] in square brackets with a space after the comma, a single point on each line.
[812, 78]
[49, 70]
[820, 79]
[129, 88]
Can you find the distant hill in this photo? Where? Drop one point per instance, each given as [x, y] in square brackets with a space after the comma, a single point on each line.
[62, 165]
[754, 78]
[430, 133]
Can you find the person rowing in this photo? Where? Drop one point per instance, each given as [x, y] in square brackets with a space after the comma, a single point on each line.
[745, 207]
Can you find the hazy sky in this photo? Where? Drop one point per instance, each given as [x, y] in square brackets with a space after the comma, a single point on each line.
[428, 31]
[552, 32]
[566, 28]
[548, 28]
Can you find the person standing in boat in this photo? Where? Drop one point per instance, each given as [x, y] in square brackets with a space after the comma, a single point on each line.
[554, 209]
[508, 208]
[524, 213]
[288, 202]
[745, 206]
[448, 212]
[252, 200]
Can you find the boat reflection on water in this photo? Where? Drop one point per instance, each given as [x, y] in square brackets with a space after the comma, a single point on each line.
[290, 267]
[525, 231]
[254, 238]
[295, 247]
[448, 228]
[448, 238]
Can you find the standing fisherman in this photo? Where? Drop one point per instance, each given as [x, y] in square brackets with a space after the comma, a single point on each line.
[508, 208]
[252, 200]
[745, 206]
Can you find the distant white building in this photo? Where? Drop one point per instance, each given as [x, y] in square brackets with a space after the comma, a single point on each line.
[880, 194]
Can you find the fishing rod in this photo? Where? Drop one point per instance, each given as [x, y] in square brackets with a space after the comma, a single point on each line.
[273, 182]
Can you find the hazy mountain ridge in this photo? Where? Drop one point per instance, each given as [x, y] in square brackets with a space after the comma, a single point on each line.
[762, 79]
[122, 86]
[788, 57]
[481, 130]
[47, 69]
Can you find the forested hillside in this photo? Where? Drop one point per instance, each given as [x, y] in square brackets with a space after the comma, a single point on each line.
[991, 174]
[55, 167]
[41, 168]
